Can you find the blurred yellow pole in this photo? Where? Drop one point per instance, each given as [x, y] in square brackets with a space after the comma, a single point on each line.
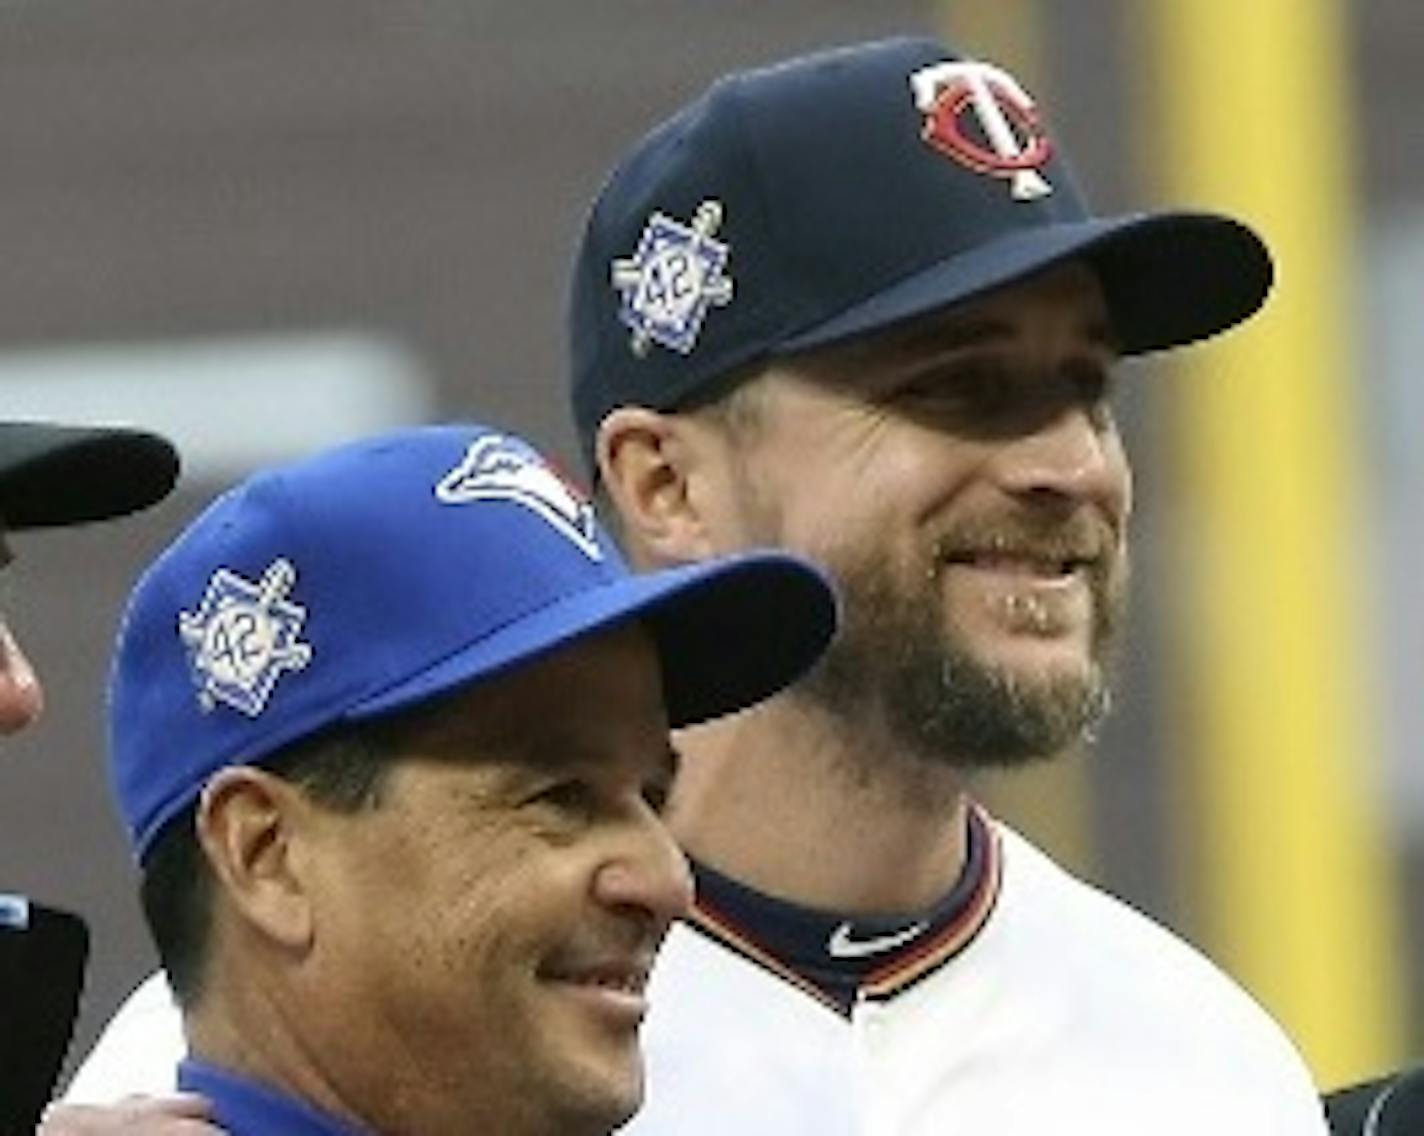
[1252, 116]
[1052, 802]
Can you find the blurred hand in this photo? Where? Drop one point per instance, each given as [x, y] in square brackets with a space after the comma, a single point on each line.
[182, 1114]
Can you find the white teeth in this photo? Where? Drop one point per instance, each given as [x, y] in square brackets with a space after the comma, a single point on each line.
[1028, 565]
[625, 978]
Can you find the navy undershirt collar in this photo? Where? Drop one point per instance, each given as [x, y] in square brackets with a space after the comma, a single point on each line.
[833, 952]
[246, 1108]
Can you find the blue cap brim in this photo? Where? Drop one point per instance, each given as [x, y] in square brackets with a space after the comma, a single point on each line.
[1168, 278]
[729, 633]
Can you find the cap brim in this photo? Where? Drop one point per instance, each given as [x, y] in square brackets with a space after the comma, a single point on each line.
[67, 475]
[729, 633]
[1168, 278]
[1400, 1110]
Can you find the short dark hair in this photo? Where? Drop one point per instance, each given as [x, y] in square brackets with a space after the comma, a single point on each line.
[342, 768]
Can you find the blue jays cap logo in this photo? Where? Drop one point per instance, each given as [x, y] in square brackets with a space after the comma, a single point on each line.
[243, 636]
[501, 468]
[674, 277]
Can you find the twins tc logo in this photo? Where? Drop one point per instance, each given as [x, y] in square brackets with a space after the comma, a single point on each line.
[1017, 145]
[243, 636]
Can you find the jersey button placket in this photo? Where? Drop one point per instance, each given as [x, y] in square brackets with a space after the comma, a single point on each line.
[871, 1026]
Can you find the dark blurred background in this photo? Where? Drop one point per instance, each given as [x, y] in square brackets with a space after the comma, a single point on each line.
[264, 227]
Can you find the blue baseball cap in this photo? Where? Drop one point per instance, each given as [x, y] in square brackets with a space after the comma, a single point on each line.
[53, 474]
[835, 194]
[386, 572]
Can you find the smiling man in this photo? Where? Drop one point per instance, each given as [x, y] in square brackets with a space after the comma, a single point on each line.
[852, 305]
[389, 732]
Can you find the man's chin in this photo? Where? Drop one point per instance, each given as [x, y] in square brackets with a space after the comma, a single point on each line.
[1002, 709]
[601, 1075]
[1037, 659]
[603, 1097]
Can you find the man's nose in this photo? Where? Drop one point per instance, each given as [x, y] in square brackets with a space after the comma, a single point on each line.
[21, 697]
[649, 872]
[1076, 455]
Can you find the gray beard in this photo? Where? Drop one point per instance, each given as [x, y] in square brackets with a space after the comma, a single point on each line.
[894, 663]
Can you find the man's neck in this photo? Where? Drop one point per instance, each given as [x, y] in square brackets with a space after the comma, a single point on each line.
[805, 806]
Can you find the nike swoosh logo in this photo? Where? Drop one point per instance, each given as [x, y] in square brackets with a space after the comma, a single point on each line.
[844, 945]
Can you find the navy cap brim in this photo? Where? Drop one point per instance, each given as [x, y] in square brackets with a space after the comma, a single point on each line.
[53, 475]
[1169, 278]
[728, 633]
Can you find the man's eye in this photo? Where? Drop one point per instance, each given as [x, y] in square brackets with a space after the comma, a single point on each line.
[567, 796]
[927, 386]
[1092, 384]
[969, 386]
[656, 793]
[1094, 388]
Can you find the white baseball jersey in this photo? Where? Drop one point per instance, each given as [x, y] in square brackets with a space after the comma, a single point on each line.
[1029, 1002]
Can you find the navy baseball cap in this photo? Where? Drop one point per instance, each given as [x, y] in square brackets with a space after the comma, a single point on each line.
[54, 475]
[386, 572]
[806, 203]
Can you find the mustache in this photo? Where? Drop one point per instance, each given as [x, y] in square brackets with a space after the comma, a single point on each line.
[1082, 537]
[634, 940]
[1083, 541]
[628, 963]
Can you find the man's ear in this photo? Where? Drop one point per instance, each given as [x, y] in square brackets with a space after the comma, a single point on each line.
[651, 465]
[249, 825]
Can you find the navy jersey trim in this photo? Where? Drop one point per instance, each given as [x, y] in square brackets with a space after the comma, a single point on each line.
[835, 958]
